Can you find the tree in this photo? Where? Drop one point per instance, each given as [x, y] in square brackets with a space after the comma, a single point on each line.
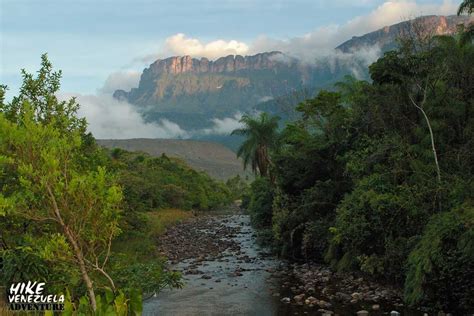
[261, 134]
[41, 149]
[467, 32]
[467, 6]
[40, 93]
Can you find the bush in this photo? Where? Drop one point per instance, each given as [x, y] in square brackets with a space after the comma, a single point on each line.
[441, 267]
[260, 204]
[376, 208]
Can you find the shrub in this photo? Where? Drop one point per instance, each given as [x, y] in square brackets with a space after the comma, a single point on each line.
[260, 205]
[441, 267]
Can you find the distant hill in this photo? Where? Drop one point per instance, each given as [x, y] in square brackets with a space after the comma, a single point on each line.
[386, 37]
[214, 159]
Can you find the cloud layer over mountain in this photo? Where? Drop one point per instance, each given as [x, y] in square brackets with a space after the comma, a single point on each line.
[319, 42]
[109, 118]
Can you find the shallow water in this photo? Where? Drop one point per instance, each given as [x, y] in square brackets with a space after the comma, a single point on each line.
[239, 282]
[248, 294]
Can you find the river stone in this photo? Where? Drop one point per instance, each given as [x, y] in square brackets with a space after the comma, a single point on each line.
[299, 298]
[394, 313]
[376, 307]
[324, 304]
[362, 313]
[311, 301]
[286, 300]
[356, 296]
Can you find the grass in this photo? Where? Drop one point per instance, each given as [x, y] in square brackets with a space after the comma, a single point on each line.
[141, 245]
[159, 221]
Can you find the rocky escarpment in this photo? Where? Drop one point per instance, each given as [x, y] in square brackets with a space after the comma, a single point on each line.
[386, 37]
[167, 83]
[183, 84]
[232, 63]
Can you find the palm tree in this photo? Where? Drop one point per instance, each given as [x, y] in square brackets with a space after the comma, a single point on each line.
[467, 6]
[260, 133]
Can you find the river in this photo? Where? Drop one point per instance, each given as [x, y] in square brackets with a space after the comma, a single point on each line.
[227, 273]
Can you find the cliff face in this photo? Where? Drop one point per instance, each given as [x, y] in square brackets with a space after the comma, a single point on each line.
[186, 64]
[386, 37]
[184, 84]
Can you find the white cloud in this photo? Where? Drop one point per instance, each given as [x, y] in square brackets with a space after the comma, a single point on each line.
[224, 126]
[265, 98]
[180, 44]
[111, 118]
[124, 80]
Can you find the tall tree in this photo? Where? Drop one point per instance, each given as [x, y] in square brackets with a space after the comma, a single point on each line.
[261, 134]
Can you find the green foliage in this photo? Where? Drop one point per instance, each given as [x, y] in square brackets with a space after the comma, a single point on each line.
[149, 277]
[378, 177]
[260, 204]
[108, 304]
[61, 202]
[238, 187]
[38, 94]
[467, 6]
[162, 182]
[440, 267]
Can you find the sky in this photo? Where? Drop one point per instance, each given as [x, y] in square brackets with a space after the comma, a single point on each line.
[103, 45]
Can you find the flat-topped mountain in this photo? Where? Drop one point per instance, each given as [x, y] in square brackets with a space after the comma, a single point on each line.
[229, 84]
[232, 63]
[214, 159]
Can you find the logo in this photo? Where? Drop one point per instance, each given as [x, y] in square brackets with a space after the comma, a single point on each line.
[31, 296]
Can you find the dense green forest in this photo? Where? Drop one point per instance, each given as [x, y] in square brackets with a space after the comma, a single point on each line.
[81, 218]
[377, 177]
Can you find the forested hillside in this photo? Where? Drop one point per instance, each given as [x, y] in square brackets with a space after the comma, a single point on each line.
[377, 176]
[214, 159]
